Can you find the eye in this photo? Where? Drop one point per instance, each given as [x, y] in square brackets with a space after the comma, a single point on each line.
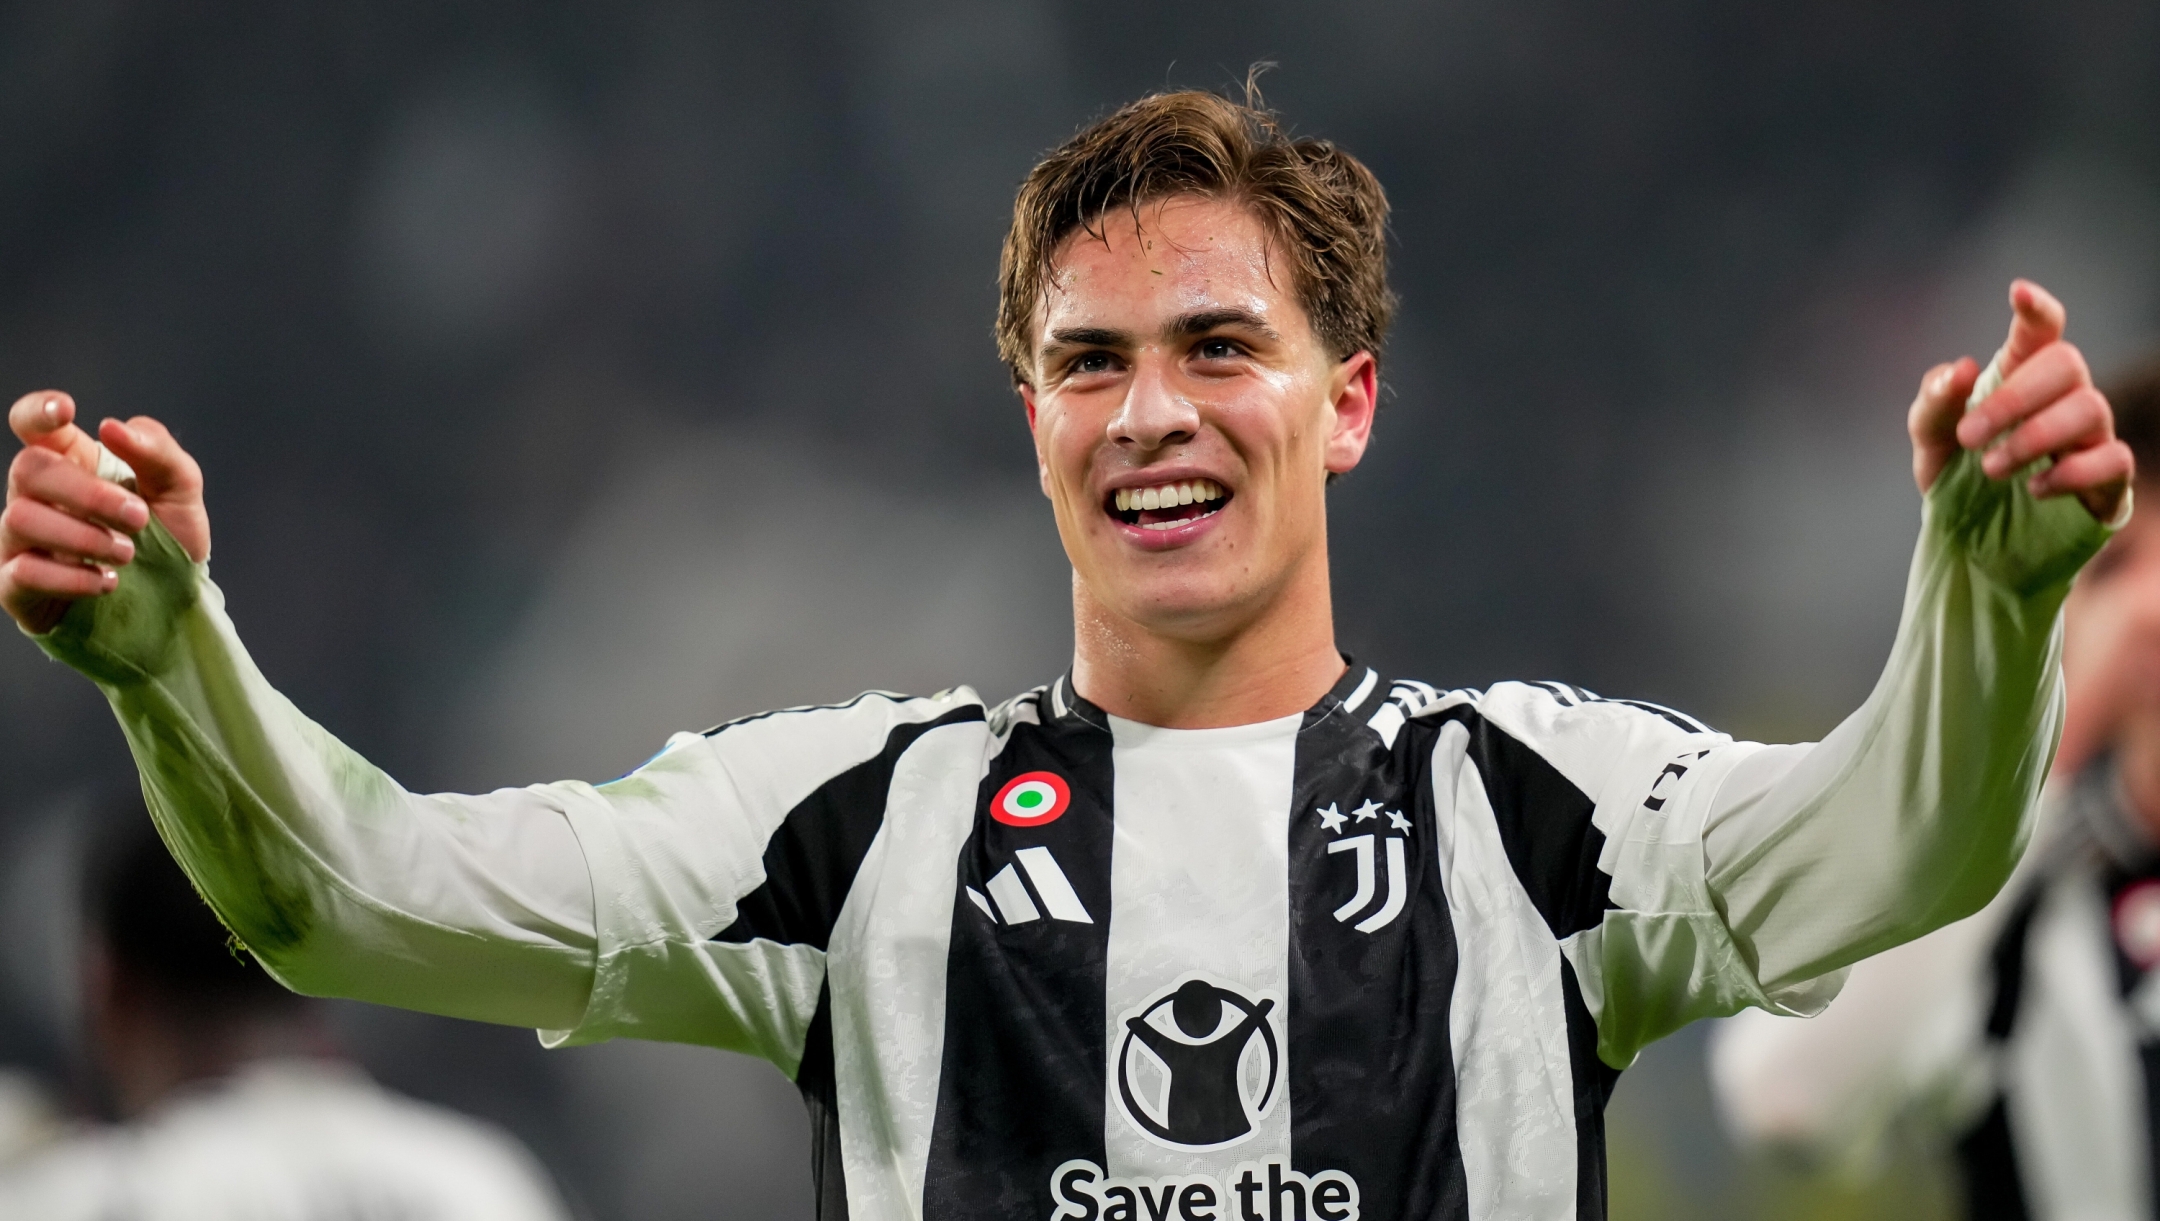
[1215, 347]
[1090, 363]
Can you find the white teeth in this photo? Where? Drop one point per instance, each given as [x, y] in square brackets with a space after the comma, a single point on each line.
[1167, 496]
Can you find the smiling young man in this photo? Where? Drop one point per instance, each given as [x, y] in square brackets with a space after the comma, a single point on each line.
[1217, 925]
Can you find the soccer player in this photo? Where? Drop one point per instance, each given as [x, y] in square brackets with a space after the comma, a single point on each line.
[234, 1101]
[1436, 923]
[2025, 1040]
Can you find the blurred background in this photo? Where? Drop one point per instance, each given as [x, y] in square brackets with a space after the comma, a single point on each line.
[567, 375]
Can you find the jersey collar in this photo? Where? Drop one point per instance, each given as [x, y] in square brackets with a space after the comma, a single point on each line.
[1360, 687]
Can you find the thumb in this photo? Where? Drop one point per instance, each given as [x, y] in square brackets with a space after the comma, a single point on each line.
[2036, 321]
[166, 477]
[46, 419]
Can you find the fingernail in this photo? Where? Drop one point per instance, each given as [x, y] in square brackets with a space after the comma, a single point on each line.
[134, 508]
[112, 579]
[1942, 383]
[135, 438]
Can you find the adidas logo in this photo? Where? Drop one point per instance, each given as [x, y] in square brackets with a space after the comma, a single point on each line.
[1045, 890]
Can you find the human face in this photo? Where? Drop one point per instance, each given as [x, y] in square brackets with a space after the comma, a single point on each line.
[1171, 355]
[2111, 646]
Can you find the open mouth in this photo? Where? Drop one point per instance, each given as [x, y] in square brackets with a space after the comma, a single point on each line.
[1168, 505]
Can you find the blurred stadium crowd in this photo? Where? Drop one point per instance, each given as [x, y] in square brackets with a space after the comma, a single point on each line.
[566, 371]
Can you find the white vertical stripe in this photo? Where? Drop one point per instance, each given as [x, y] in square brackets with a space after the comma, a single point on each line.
[2072, 1073]
[1051, 883]
[887, 971]
[1514, 1094]
[1199, 881]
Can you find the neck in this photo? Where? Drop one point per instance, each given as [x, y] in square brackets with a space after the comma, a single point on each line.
[149, 1060]
[1279, 663]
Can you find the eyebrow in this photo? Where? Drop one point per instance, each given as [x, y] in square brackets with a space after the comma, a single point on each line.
[1199, 322]
[1184, 326]
[1085, 337]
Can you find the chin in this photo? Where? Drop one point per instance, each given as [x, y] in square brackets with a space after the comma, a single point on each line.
[1196, 610]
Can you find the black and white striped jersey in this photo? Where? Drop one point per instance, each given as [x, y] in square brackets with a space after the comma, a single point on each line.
[1038, 961]
[1379, 959]
[2024, 1044]
[2070, 1034]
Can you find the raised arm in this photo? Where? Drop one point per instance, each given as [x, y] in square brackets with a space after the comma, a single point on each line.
[340, 881]
[691, 900]
[1913, 811]
[1750, 875]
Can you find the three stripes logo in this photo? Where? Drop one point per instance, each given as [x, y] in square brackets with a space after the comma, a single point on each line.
[1033, 885]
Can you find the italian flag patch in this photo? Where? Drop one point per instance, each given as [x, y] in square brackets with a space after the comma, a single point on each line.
[1031, 799]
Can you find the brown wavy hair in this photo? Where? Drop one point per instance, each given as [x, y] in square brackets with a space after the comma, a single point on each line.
[1323, 209]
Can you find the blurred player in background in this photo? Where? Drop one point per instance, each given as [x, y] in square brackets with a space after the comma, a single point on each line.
[2027, 1038]
[235, 1104]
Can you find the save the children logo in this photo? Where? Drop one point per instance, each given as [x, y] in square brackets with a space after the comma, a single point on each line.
[1198, 1065]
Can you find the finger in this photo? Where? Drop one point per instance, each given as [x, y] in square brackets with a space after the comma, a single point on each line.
[2078, 420]
[2036, 321]
[38, 474]
[47, 419]
[27, 525]
[39, 574]
[1932, 421]
[1936, 409]
[2098, 476]
[167, 476]
[162, 468]
[2049, 374]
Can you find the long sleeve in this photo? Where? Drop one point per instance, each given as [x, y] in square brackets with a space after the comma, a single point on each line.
[1744, 875]
[1914, 810]
[340, 882]
[690, 900]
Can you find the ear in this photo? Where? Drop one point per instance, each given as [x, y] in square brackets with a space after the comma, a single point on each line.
[1042, 468]
[1353, 395]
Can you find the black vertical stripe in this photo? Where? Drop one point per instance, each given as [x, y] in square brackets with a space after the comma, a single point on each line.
[1986, 1154]
[1372, 1071]
[1593, 1081]
[811, 860]
[1545, 826]
[1021, 1088]
[2007, 963]
[1987, 1164]
[821, 1095]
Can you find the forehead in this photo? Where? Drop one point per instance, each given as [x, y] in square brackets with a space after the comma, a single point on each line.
[1180, 256]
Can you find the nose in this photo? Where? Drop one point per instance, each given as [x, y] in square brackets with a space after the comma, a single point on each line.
[1153, 414]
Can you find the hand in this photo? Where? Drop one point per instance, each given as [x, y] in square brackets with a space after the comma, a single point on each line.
[2046, 407]
[64, 534]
